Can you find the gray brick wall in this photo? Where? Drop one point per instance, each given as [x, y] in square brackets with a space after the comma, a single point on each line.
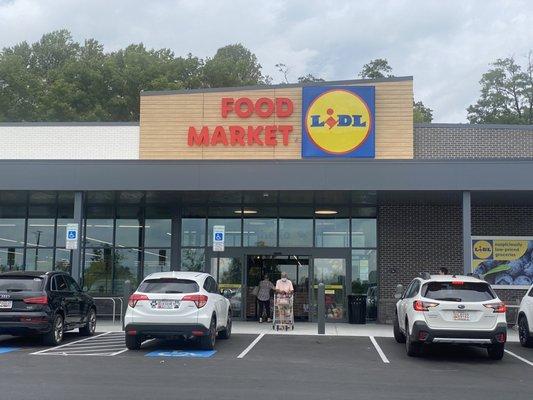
[412, 239]
[464, 141]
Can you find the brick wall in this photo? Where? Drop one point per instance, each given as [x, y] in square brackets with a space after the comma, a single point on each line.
[95, 141]
[414, 239]
[463, 141]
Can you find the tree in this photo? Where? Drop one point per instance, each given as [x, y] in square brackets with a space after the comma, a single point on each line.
[380, 68]
[421, 113]
[375, 69]
[232, 65]
[309, 78]
[506, 94]
[284, 69]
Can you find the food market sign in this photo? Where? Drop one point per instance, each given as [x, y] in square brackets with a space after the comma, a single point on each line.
[503, 260]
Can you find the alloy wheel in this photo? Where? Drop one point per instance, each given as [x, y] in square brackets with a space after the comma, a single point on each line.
[58, 329]
[92, 321]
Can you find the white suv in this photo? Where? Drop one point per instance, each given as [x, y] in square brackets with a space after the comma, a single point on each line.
[525, 319]
[177, 304]
[450, 309]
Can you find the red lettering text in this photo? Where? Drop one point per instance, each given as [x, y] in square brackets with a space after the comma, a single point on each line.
[202, 139]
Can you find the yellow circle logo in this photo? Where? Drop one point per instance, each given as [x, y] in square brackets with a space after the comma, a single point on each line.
[482, 249]
[338, 121]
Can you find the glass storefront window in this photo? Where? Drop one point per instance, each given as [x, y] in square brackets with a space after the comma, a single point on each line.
[192, 259]
[295, 232]
[98, 271]
[331, 272]
[331, 232]
[232, 231]
[63, 260]
[158, 227]
[193, 232]
[229, 278]
[128, 227]
[364, 279]
[127, 265]
[99, 232]
[260, 232]
[41, 232]
[12, 231]
[156, 260]
[363, 232]
[11, 259]
[38, 259]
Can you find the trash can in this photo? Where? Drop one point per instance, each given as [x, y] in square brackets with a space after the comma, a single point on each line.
[357, 308]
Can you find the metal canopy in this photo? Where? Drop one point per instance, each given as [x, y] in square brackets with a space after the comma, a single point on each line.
[265, 175]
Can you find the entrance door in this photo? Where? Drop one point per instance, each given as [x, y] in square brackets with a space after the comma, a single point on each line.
[297, 269]
[227, 270]
[332, 272]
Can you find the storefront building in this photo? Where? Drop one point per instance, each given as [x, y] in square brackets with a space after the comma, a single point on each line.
[331, 183]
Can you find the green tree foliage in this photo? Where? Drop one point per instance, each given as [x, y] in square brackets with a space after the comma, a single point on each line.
[380, 68]
[309, 78]
[506, 94]
[58, 79]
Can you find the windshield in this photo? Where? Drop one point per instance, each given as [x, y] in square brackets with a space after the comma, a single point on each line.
[21, 284]
[463, 291]
[168, 285]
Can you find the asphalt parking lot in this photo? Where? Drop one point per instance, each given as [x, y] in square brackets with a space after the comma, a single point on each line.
[258, 367]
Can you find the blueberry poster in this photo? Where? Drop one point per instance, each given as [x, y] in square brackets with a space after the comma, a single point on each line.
[504, 261]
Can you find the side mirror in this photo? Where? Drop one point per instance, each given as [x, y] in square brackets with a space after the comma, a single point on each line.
[398, 292]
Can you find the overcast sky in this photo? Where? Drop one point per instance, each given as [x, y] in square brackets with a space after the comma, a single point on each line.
[445, 45]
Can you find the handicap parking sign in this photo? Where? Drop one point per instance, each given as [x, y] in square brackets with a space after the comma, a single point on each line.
[72, 235]
[218, 237]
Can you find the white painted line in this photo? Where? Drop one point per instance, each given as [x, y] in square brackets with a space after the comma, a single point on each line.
[88, 348]
[119, 352]
[250, 347]
[378, 349]
[64, 354]
[520, 358]
[67, 344]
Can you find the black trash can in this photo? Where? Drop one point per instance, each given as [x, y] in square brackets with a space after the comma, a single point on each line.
[357, 308]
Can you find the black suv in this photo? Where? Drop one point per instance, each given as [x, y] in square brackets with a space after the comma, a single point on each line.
[44, 303]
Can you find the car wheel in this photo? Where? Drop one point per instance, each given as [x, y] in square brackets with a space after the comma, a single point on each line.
[226, 333]
[133, 342]
[55, 336]
[90, 326]
[207, 342]
[398, 334]
[496, 351]
[526, 339]
[413, 349]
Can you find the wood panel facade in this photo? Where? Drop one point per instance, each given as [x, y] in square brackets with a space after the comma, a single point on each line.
[166, 118]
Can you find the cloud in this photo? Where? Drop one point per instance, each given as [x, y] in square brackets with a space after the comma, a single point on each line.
[446, 46]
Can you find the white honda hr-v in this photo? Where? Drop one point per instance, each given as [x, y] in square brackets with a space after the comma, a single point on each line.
[177, 304]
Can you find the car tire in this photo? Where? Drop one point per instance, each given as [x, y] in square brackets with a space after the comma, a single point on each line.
[413, 349]
[398, 334]
[207, 342]
[133, 342]
[525, 337]
[90, 327]
[55, 336]
[496, 351]
[226, 332]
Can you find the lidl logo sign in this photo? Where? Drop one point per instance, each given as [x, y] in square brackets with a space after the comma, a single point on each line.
[338, 121]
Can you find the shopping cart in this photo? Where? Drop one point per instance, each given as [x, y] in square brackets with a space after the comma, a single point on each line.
[283, 312]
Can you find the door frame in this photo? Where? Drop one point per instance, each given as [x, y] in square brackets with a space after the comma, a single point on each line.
[312, 252]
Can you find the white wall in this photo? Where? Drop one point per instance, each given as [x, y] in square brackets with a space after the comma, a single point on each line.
[69, 141]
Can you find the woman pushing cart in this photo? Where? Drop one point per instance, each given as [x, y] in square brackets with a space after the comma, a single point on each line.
[283, 302]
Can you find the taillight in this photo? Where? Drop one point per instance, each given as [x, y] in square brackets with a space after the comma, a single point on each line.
[135, 298]
[199, 299]
[420, 305]
[36, 300]
[497, 307]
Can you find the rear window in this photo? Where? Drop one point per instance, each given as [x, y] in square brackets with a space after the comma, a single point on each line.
[466, 291]
[168, 285]
[20, 284]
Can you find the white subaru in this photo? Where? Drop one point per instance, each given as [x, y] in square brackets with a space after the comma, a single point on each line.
[450, 309]
[177, 304]
[525, 319]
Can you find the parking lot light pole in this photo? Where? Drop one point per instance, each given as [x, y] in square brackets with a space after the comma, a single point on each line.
[127, 293]
[321, 299]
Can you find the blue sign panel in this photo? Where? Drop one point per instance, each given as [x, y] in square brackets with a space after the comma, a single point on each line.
[338, 121]
[182, 353]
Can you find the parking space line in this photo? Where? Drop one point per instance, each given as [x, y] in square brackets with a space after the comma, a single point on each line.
[378, 349]
[520, 358]
[119, 352]
[250, 347]
[70, 343]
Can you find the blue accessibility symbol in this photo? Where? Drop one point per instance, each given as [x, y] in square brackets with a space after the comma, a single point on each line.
[71, 234]
[182, 353]
[219, 236]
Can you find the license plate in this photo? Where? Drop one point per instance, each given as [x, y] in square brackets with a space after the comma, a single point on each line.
[461, 316]
[165, 304]
[6, 304]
